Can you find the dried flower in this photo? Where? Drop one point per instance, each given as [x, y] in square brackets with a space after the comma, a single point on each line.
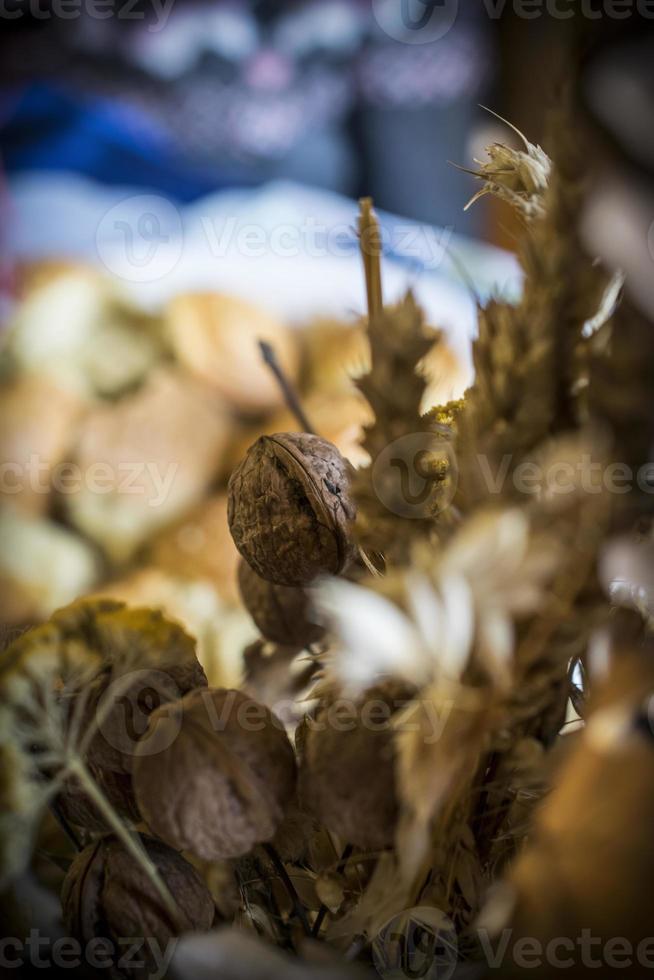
[222, 783]
[281, 612]
[290, 511]
[519, 177]
[105, 894]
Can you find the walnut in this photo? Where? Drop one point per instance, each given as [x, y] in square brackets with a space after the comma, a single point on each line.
[290, 510]
[107, 894]
[77, 808]
[281, 612]
[222, 785]
[347, 767]
[147, 661]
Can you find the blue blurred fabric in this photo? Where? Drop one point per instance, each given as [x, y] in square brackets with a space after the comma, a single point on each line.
[50, 129]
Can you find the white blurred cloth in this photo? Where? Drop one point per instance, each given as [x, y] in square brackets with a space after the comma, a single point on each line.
[289, 247]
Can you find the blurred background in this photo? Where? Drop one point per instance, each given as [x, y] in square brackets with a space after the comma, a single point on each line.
[179, 178]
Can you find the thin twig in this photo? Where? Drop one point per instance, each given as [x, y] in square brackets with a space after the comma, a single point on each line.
[323, 910]
[55, 809]
[371, 248]
[290, 395]
[130, 841]
[278, 865]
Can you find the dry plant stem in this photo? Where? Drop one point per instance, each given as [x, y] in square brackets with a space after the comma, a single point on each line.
[288, 391]
[65, 826]
[81, 773]
[284, 933]
[289, 886]
[323, 910]
[370, 245]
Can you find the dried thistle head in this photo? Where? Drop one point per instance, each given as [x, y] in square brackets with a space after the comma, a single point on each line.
[281, 612]
[223, 778]
[290, 510]
[105, 894]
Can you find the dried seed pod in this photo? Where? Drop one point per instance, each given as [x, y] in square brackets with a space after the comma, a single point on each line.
[281, 612]
[347, 767]
[107, 894]
[222, 783]
[290, 509]
[77, 807]
[146, 660]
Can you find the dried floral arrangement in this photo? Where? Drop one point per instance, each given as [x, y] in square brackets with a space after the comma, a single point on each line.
[429, 629]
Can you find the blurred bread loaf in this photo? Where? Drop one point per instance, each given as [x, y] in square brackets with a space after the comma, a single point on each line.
[216, 336]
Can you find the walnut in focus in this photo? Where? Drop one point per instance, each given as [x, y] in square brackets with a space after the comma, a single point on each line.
[107, 894]
[145, 461]
[37, 420]
[281, 613]
[339, 418]
[217, 338]
[223, 777]
[290, 510]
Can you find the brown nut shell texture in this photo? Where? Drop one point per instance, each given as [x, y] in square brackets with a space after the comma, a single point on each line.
[77, 807]
[223, 783]
[107, 894]
[281, 612]
[290, 510]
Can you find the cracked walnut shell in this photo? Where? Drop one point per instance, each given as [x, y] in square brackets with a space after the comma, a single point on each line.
[290, 510]
[107, 894]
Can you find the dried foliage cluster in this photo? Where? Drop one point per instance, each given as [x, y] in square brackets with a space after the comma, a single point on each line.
[426, 668]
